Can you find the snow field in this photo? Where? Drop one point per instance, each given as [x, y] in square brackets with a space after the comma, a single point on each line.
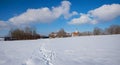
[85, 50]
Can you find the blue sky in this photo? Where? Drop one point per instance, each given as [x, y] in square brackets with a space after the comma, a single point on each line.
[51, 15]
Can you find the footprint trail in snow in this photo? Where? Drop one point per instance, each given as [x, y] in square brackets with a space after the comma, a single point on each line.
[41, 56]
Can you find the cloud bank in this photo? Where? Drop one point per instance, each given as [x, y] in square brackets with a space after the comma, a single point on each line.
[44, 14]
[103, 13]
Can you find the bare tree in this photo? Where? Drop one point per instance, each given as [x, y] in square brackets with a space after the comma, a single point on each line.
[52, 35]
[97, 31]
[113, 29]
[22, 34]
[61, 33]
[17, 33]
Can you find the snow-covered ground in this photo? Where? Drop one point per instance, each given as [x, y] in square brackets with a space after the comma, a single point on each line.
[85, 50]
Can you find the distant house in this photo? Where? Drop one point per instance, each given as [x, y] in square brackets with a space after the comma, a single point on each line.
[76, 33]
[59, 35]
[53, 35]
[68, 34]
[62, 34]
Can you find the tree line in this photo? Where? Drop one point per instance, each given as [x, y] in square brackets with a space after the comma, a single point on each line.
[30, 33]
[23, 34]
[113, 29]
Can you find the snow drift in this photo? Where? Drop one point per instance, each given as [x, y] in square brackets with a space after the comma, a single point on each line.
[86, 50]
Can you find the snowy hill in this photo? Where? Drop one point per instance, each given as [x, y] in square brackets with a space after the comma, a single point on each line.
[86, 50]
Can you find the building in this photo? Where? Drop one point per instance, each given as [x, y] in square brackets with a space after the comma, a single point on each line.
[59, 35]
[53, 35]
[76, 33]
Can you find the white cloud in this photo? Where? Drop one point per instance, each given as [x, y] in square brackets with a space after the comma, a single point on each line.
[103, 13]
[3, 25]
[33, 15]
[84, 18]
[44, 14]
[106, 12]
